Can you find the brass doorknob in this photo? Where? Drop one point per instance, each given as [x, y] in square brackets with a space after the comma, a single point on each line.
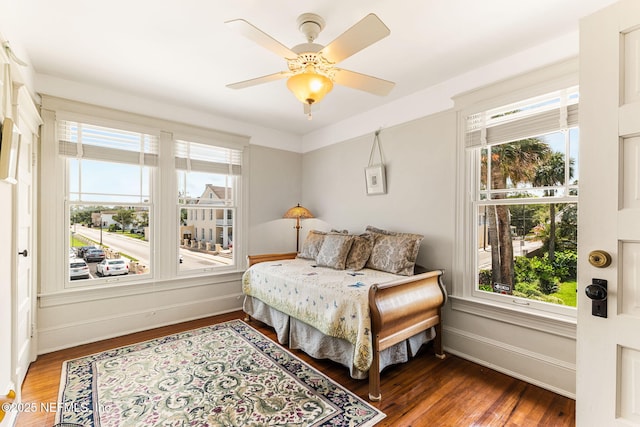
[599, 259]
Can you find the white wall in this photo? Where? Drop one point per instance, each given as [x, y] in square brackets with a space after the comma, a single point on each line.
[420, 170]
[275, 186]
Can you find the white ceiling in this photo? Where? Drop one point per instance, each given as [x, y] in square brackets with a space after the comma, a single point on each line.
[182, 53]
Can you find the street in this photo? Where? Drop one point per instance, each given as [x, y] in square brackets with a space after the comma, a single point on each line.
[139, 249]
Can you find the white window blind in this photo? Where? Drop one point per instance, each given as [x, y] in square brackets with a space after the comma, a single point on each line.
[526, 119]
[196, 157]
[93, 142]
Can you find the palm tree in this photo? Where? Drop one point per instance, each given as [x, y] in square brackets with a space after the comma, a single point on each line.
[551, 173]
[511, 163]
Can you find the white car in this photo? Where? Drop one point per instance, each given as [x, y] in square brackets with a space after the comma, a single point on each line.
[78, 269]
[112, 267]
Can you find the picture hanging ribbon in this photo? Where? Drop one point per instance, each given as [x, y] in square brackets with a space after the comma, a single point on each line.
[375, 172]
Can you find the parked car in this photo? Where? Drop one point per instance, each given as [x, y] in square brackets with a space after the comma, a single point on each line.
[78, 269]
[112, 267]
[80, 251]
[94, 255]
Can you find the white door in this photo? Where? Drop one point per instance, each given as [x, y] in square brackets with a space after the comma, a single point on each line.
[608, 350]
[24, 285]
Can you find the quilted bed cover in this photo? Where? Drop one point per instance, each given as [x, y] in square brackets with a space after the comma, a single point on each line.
[333, 301]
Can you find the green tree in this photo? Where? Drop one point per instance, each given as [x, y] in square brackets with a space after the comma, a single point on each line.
[124, 217]
[511, 164]
[525, 217]
[551, 173]
[144, 219]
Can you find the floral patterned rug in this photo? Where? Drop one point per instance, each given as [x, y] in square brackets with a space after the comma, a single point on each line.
[222, 375]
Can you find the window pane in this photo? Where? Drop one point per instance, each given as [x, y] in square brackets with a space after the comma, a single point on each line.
[528, 251]
[98, 181]
[207, 218]
[205, 188]
[114, 232]
[536, 167]
[200, 248]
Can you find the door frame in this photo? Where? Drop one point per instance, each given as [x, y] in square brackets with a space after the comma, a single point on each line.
[28, 121]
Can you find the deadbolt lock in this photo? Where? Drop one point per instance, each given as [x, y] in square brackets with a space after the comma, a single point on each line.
[599, 259]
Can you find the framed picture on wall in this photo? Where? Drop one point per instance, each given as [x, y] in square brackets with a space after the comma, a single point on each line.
[376, 180]
[9, 141]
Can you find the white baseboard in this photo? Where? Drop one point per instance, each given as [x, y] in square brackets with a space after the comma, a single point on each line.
[95, 329]
[543, 371]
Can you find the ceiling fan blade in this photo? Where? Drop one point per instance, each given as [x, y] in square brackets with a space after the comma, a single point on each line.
[263, 39]
[363, 82]
[364, 33]
[259, 80]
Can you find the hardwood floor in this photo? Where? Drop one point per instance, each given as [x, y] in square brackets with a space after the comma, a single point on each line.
[426, 391]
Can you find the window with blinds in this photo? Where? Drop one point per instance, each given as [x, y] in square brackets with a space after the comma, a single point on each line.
[512, 142]
[523, 187]
[109, 199]
[87, 141]
[165, 197]
[208, 181]
[197, 157]
[535, 116]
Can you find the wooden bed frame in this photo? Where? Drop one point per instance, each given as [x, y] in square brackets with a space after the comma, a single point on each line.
[399, 310]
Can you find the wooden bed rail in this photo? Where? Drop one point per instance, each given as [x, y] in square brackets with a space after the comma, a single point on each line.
[400, 310]
[254, 259]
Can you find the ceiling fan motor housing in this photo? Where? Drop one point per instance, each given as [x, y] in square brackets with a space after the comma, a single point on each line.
[310, 25]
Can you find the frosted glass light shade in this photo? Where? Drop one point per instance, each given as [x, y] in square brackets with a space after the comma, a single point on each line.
[309, 87]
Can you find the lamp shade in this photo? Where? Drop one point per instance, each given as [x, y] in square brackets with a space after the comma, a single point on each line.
[298, 212]
[309, 87]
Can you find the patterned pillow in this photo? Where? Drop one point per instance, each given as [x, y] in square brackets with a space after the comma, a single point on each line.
[345, 231]
[394, 252]
[312, 244]
[360, 251]
[334, 251]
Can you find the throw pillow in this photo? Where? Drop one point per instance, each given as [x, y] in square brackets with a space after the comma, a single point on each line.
[334, 251]
[360, 251]
[312, 244]
[394, 252]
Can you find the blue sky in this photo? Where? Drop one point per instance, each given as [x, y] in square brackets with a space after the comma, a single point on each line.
[120, 182]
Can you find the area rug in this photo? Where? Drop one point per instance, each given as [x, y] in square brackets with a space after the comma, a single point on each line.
[222, 375]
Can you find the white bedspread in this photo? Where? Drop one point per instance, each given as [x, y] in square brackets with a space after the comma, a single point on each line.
[333, 301]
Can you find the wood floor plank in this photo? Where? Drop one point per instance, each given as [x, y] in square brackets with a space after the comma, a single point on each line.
[425, 391]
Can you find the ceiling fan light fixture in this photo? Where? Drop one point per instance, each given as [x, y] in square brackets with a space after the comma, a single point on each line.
[309, 86]
[312, 72]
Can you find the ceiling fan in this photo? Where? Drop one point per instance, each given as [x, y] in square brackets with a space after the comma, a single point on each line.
[312, 67]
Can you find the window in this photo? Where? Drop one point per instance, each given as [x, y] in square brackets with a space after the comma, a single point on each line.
[120, 174]
[208, 180]
[522, 178]
[109, 175]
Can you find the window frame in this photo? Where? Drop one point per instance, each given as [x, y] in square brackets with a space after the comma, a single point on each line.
[56, 287]
[185, 145]
[464, 295]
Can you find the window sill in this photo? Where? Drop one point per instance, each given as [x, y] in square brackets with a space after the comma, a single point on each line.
[554, 324]
[87, 293]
